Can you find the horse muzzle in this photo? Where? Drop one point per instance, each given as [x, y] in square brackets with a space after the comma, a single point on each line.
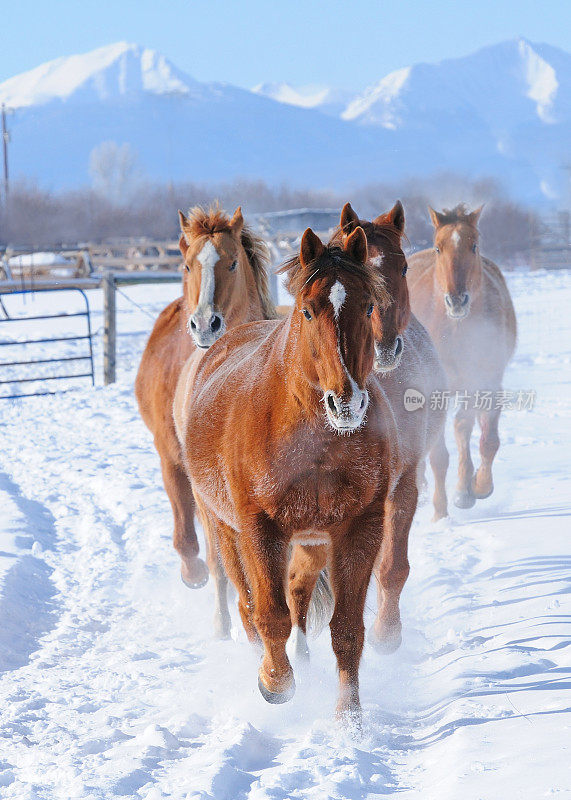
[346, 416]
[205, 327]
[387, 357]
[457, 305]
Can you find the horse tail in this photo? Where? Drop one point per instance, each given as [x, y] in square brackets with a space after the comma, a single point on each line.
[321, 605]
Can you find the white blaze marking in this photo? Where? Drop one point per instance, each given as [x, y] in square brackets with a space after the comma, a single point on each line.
[455, 238]
[377, 261]
[337, 296]
[208, 258]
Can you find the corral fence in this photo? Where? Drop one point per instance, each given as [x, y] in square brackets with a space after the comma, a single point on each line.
[43, 371]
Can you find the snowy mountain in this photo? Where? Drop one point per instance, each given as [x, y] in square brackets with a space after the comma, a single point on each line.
[118, 70]
[503, 112]
[324, 98]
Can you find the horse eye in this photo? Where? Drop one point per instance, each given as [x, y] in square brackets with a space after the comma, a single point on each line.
[233, 266]
[187, 268]
[437, 249]
[306, 313]
[474, 247]
[370, 309]
[404, 270]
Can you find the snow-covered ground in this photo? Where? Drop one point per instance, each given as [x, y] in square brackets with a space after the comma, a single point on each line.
[112, 686]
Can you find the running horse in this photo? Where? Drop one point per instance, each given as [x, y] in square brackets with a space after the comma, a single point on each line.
[296, 444]
[405, 359]
[224, 284]
[462, 299]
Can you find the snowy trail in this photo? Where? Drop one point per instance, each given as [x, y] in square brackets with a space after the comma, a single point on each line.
[112, 686]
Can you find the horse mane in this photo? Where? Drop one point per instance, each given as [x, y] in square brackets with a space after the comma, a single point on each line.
[459, 213]
[373, 230]
[332, 262]
[206, 222]
[259, 257]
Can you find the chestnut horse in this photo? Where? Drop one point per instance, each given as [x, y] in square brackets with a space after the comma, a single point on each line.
[224, 284]
[405, 359]
[462, 299]
[297, 444]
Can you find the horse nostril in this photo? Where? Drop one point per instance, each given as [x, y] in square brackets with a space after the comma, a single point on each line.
[331, 403]
[193, 324]
[398, 347]
[465, 298]
[215, 323]
[362, 403]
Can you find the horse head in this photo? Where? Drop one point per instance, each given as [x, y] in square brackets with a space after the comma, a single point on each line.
[458, 264]
[216, 269]
[390, 320]
[335, 292]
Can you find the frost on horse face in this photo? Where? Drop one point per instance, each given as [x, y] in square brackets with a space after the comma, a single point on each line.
[337, 297]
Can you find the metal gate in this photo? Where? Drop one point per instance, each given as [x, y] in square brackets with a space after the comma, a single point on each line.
[31, 377]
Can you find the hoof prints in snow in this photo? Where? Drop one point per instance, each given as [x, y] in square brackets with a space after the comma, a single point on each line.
[28, 603]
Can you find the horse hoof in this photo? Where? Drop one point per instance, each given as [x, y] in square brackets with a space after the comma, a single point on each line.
[464, 500]
[386, 642]
[196, 576]
[481, 495]
[276, 698]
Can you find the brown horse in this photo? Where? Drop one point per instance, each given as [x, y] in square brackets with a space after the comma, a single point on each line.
[462, 299]
[405, 359]
[297, 444]
[224, 285]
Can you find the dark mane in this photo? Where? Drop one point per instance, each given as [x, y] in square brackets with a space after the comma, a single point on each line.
[377, 233]
[333, 262]
[459, 213]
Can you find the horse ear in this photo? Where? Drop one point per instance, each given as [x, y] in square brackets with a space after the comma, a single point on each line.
[356, 245]
[311, 247]
[475, 215]
[394, 217]
[436, 218]
[183, 245]
[349, 219]
[184, 225]
[237, 221]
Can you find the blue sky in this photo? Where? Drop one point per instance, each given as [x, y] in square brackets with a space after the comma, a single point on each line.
[346, 44]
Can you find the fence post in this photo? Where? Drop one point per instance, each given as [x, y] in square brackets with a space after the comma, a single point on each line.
[110, 328]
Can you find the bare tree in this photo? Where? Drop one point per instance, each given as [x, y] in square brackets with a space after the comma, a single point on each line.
[114, 171]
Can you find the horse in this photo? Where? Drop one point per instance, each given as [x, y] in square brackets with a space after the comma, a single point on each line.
[224, 284]
[297, 445]
[405, 359]
[462, 299]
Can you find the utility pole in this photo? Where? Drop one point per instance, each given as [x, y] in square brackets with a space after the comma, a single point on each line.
[5, 140]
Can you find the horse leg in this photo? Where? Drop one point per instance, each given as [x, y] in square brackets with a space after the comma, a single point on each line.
[235, 571]
[264, 551]
[305, 566]
[193, 570]
[483, 484]
[439, 460]
[463, 424]
[222, 621]
[352, 562]
[392, 569]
